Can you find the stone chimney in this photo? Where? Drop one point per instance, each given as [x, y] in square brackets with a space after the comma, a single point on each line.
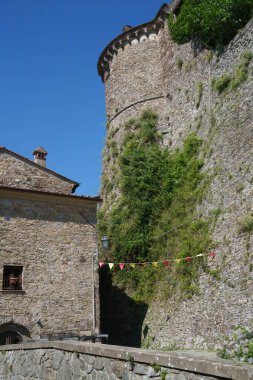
[40, 156]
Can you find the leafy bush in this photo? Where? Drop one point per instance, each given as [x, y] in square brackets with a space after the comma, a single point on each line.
[153, 218]
[213, 22]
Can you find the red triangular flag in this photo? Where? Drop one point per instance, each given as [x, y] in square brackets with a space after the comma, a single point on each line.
[188, 259]
[101, 263]
[212, 254]
[166, 263]
[121, 265]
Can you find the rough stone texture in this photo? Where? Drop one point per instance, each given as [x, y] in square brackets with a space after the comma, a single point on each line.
[226, 122]
[19, 172]
[53, 239]
[76, 361]
[131, 71]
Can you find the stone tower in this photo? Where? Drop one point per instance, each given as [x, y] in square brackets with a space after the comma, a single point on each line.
[143, 68]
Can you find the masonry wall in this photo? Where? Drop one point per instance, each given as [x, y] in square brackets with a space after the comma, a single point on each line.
[55, 244]
[73, 361]
[129, 72]
[15, 172]
[225, 122]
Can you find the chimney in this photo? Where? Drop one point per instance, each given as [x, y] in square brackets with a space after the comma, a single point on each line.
[40, 156]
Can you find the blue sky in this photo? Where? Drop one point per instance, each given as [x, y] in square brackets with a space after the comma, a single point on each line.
[50, 93]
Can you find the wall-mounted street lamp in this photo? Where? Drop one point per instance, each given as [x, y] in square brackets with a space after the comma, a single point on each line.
[105, 242]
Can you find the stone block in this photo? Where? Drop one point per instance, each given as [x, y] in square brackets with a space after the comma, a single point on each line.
[99, 364]
[141, 369]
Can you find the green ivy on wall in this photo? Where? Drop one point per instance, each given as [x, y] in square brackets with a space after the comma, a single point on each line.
[155, 215]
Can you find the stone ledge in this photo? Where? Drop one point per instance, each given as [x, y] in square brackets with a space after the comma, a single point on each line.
[13, 291]
[205, 363]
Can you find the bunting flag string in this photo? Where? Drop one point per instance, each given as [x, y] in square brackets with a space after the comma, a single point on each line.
[166, 263]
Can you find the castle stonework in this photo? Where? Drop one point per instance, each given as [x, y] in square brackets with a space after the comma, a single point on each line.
[48, 244]
[143, 68]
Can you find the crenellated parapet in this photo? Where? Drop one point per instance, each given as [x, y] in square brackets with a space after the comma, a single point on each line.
[131, 66]
[131, 34]
[127, 37]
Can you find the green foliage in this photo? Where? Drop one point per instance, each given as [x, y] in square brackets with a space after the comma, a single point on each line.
[155, 216]
[246, 224]
[163, 374]
[213, 22]
[156, 367]
[199, 90]
[222, 83]
[188, 66]
[223, 353]
[239, 347]
[239, 187]
[130, 358]
[179, 63]
[241, 71]
[209, 57]
[234, 80]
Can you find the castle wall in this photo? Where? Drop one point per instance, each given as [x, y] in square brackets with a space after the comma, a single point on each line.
[225, 122]
[20, 174]
[55, 244]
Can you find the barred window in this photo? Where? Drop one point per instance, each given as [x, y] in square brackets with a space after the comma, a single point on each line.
[12, 277]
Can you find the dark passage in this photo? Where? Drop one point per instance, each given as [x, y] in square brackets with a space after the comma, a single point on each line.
[121, 317]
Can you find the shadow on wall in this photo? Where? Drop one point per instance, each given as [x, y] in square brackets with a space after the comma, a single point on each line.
[121, 317]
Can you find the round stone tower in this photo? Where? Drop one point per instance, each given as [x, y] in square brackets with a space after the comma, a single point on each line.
[130, 66]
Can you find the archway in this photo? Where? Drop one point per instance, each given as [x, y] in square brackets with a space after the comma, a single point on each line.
[11, 333]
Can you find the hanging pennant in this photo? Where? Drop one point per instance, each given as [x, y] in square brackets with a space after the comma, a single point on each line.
[111, 265]
[200, 255]
[101, 263]
[132, 265]
[155, 263]
[178, 261]
[121, 265]
[212, 254]
[166, 263]
[188, 259]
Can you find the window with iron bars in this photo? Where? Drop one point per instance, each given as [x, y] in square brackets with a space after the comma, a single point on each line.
[12, 277]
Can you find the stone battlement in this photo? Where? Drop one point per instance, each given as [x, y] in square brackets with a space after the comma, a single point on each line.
[136, 33]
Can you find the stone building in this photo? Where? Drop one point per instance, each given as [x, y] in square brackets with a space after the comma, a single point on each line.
[48, 246]
[144, 68]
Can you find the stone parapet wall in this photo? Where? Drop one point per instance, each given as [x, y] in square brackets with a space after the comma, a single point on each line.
[79, 361]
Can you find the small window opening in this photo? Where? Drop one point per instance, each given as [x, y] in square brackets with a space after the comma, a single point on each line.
[12, 277]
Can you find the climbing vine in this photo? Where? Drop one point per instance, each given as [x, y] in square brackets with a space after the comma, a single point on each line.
[155, 216]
